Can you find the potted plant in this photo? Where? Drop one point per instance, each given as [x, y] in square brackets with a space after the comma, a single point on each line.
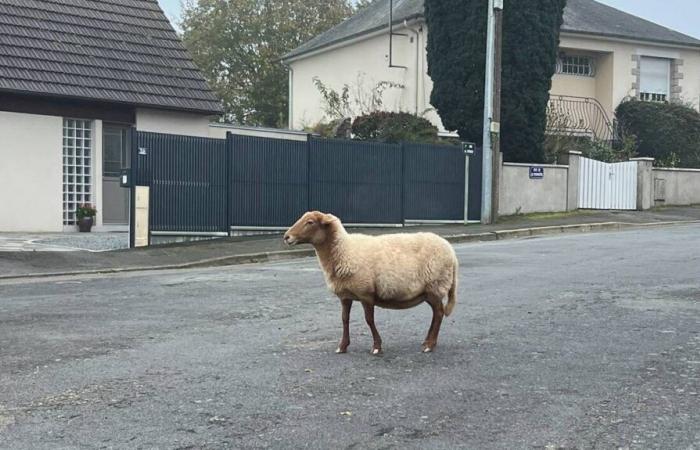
[85, 214]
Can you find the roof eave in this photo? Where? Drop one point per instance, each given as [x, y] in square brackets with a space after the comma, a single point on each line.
[621, 37]
[366, 34]
[208, 112]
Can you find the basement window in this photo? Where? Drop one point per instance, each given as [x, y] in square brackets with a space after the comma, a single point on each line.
[654, 79]
[579, 65]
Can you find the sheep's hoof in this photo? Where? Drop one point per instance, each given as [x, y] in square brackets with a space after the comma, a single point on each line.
[427, 348]
[376, 351]
[342, 348]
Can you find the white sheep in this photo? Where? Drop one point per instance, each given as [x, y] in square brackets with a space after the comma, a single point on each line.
[396, 271]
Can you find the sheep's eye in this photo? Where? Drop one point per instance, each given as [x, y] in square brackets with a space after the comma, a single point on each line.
[310, 222]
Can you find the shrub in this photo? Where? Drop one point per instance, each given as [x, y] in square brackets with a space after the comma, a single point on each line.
[85, 210]
[668, 132]
[394, 127]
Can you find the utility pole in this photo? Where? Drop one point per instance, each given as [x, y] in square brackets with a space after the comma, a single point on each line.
[492, 106]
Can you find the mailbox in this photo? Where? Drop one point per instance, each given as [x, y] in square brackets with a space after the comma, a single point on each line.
[125, 178]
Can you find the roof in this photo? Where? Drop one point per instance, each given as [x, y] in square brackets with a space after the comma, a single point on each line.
[580, 16]
[117, 51]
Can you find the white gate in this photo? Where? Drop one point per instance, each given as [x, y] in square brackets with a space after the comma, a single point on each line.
[607, 185]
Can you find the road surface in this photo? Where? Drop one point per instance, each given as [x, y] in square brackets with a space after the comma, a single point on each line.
[586, 341]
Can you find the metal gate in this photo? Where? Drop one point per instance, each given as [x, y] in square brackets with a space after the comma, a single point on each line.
[203, 186]
[607, 185]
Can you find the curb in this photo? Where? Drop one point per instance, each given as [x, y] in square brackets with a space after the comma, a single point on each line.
[252, 258]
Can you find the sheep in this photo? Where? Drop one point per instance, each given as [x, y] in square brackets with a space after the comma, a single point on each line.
[394, 271]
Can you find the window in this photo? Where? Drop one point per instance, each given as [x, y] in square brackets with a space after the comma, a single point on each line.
[580, 65]
[77, 166]
[115, 153]
[654, 79]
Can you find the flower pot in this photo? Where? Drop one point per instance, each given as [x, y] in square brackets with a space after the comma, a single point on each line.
[85, 224]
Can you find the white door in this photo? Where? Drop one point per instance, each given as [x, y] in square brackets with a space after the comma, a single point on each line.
[607, 185]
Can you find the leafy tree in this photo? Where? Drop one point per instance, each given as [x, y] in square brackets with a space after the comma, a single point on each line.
[238, 43]
[456, 61]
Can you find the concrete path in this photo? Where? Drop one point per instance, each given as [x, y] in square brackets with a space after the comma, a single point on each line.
[63, 242]
[568, 341]
[261, 248]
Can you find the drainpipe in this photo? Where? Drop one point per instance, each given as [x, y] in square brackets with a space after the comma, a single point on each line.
[290, 99]
[405, 24]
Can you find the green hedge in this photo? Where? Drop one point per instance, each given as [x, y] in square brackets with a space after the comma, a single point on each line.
[394, 127]
[668, 132]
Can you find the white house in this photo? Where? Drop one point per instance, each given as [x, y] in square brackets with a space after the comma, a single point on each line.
[605, 56]
[75, 75]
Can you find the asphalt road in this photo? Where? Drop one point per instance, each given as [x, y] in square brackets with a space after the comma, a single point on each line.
[574, 341]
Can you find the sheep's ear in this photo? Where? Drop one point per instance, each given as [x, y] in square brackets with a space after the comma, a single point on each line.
[328, 219]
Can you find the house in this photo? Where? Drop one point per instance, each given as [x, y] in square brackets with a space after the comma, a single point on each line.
[75, 75]
[606, 55]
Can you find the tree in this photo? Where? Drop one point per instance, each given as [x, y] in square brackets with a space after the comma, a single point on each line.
[238, 43]
[456, 61]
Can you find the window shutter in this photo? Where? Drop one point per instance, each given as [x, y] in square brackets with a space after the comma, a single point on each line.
[655, 76]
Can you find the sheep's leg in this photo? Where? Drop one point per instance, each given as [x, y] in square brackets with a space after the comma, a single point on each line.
[345, 340]
[369, 317]
[438, 313]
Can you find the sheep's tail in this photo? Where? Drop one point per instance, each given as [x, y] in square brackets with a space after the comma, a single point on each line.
[452, 294]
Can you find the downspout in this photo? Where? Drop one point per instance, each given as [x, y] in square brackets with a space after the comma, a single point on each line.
[290, 99]
[405, 24]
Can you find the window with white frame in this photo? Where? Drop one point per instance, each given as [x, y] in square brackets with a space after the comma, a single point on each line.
[580, 65]
[77, 166]
[654, 79]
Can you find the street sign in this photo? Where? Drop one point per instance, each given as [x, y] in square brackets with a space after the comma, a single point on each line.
[468, 148]
[536, 173]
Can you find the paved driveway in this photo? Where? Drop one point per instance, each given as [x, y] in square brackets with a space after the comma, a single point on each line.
[586, 341]
[63, 242]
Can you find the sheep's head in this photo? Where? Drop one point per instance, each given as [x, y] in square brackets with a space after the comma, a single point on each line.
[312, 228]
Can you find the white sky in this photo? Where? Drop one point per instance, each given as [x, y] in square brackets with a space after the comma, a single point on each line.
[680, 15]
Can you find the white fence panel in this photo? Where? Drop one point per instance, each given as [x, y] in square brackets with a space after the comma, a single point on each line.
[607, 186]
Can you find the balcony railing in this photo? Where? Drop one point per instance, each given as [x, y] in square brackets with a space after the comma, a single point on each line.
[579, 116]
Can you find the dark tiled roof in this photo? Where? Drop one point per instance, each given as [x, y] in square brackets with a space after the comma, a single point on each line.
[122, 51]
[580, 16]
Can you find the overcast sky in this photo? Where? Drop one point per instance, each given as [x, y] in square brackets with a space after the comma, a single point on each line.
[680, 15]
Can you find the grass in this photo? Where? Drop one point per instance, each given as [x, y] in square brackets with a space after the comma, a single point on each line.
[544, 216]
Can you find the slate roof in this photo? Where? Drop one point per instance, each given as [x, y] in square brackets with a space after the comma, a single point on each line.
[580, 16]
[118, 51]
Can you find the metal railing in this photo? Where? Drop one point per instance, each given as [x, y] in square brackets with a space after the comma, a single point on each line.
[580, 116]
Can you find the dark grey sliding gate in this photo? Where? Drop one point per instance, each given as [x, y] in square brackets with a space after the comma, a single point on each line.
[360, 182]
[188, 181]
[204, 185]
[269, 181]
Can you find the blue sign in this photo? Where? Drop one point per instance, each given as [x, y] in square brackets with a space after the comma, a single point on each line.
[536, 173]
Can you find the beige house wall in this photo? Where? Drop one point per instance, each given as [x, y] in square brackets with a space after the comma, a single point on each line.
[368, 57]
[172, 122]
[31, 198]
[361, 65]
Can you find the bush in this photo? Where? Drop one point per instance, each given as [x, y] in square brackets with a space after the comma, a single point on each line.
[668, 132]
[394, 127]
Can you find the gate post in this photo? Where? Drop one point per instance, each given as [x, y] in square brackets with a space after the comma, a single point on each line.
[133, 147]
[403, 184]
[228, 158]
[645, 183]
[573, 160]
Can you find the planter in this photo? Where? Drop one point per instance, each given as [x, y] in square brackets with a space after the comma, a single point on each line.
[85, 224]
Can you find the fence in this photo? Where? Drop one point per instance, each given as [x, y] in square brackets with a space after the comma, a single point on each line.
[205, 185]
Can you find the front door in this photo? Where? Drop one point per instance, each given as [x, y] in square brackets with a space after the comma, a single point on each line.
[115, 157]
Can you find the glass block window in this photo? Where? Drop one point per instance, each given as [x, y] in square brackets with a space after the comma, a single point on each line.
[581, 65]
[77, 166]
